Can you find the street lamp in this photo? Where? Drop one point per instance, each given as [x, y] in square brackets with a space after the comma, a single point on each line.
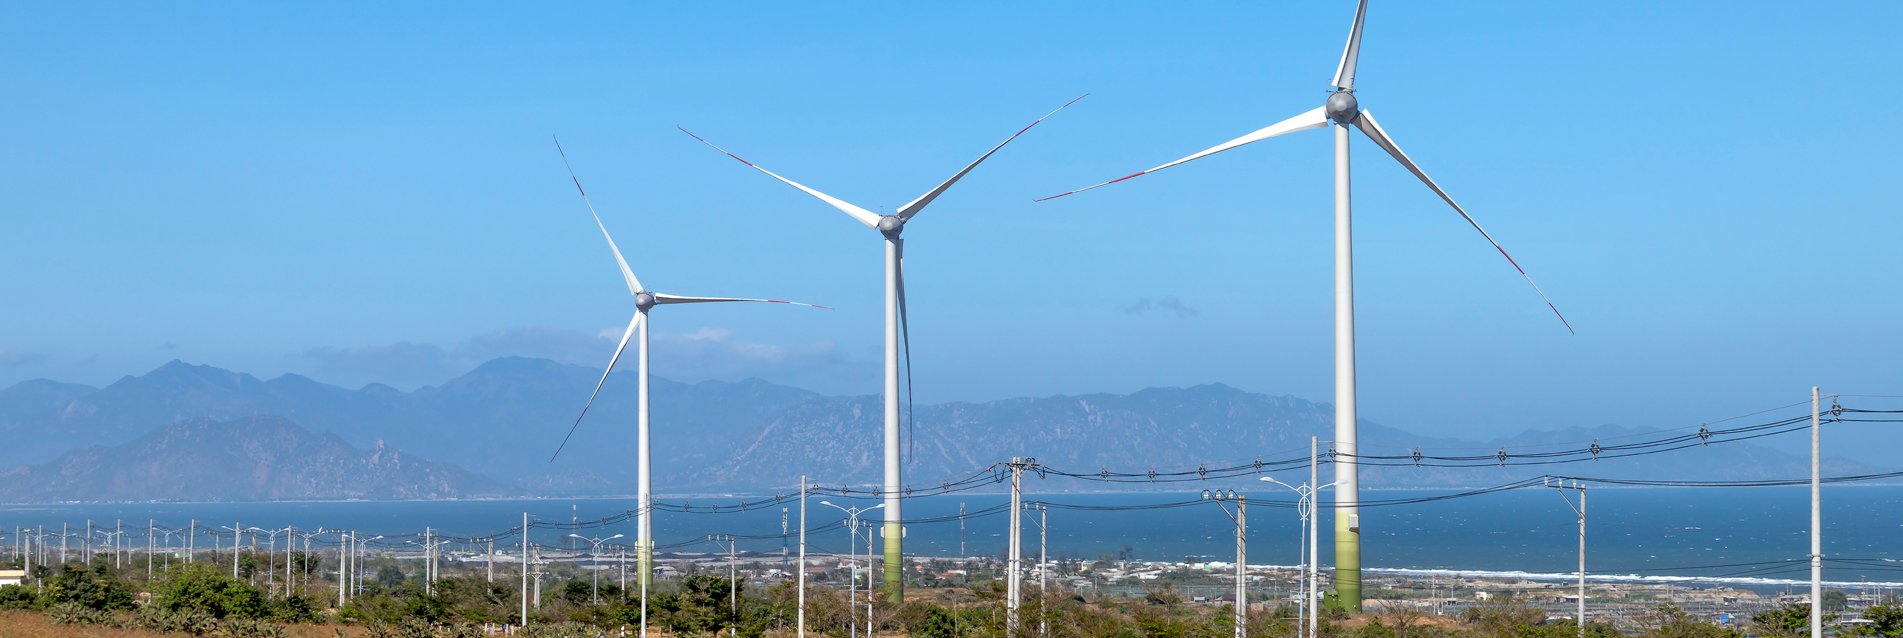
[733, 579]
[1305, 507]
[1240, 516]
[852, 580]
[360, 548]
[594, 595]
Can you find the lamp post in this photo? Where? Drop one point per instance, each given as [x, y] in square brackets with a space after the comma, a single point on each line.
[1240, 516]
[852, 580]
[270, 552]
[362, 548]
[594, 595]
[1305, 508]
[733, 578]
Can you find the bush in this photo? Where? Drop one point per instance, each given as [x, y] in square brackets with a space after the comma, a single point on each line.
[198, 587]
[560, 630]
[93, 588]
[18, 597]
[158, 619]
[248, 628]
[77, 614]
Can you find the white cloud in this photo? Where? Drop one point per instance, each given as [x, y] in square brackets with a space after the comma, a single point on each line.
[1171, 303]
[18, 357]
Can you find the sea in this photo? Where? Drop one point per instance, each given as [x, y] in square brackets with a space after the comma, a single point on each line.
[1756, 537]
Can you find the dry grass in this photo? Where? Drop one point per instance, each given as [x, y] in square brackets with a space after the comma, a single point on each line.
[25, 624]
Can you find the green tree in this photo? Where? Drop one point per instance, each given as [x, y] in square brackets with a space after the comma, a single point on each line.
[1885, 620]
[202, 588]
[1835, 600]
[1789, 621]
[92, 588]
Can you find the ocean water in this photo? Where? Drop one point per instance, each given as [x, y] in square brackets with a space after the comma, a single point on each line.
[1715, 534]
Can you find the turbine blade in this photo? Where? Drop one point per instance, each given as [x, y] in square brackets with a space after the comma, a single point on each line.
[905, 335]
[913, 207]
[634, 285]
[1351, 53]
[869, 218]
[1372, 129]
[664, 299]
[604, 381]
[1312, 119]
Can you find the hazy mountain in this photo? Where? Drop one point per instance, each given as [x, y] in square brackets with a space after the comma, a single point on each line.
[507, 416]
[248, 459]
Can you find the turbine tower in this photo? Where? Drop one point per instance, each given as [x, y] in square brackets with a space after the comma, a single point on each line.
[644, 301]
[890, 228]
[1342, 110]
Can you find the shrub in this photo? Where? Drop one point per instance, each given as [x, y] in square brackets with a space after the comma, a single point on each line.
[17, 597]
[198, 587]
[77, 614]
[93, 588]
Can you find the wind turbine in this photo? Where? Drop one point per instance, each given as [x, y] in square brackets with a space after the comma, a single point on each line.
[1342, 110]
[644, 301]
[890, 227]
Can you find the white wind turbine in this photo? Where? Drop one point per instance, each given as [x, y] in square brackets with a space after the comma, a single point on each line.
[644, 301]
[890, 227]
[1342, 110]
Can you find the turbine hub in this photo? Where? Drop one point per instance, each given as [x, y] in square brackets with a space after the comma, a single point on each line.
[891, 226]
[1342, 107]
[643, 300]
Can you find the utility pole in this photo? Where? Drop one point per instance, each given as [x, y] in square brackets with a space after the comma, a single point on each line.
[1043, 620]
[1816, 520]
[1242, 553]
[86, 543]
[783, 541]
[525, 581]
[490, 561]
[1581, 511]
[733, 581]
[800, 616]
[1013, 590]
[150, 526]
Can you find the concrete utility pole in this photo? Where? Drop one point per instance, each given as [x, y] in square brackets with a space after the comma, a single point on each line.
[1043, 519]
[1240, 516]
[1014, 592]
[800, 616]
[150, 526]
[191, 543]
[1581, 511]
[733, 580]
[489, 560]
[525, 581]
[1816, 519]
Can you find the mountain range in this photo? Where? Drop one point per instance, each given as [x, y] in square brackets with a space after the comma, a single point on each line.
[493, 430]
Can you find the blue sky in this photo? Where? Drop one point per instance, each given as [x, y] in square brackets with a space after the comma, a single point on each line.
[363, 192]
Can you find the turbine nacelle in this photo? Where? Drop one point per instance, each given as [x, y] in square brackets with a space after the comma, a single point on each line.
[643, 301]
[891, 226]
[1342, 108]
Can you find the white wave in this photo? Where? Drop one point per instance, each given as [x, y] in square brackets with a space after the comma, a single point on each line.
[1621, 578]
